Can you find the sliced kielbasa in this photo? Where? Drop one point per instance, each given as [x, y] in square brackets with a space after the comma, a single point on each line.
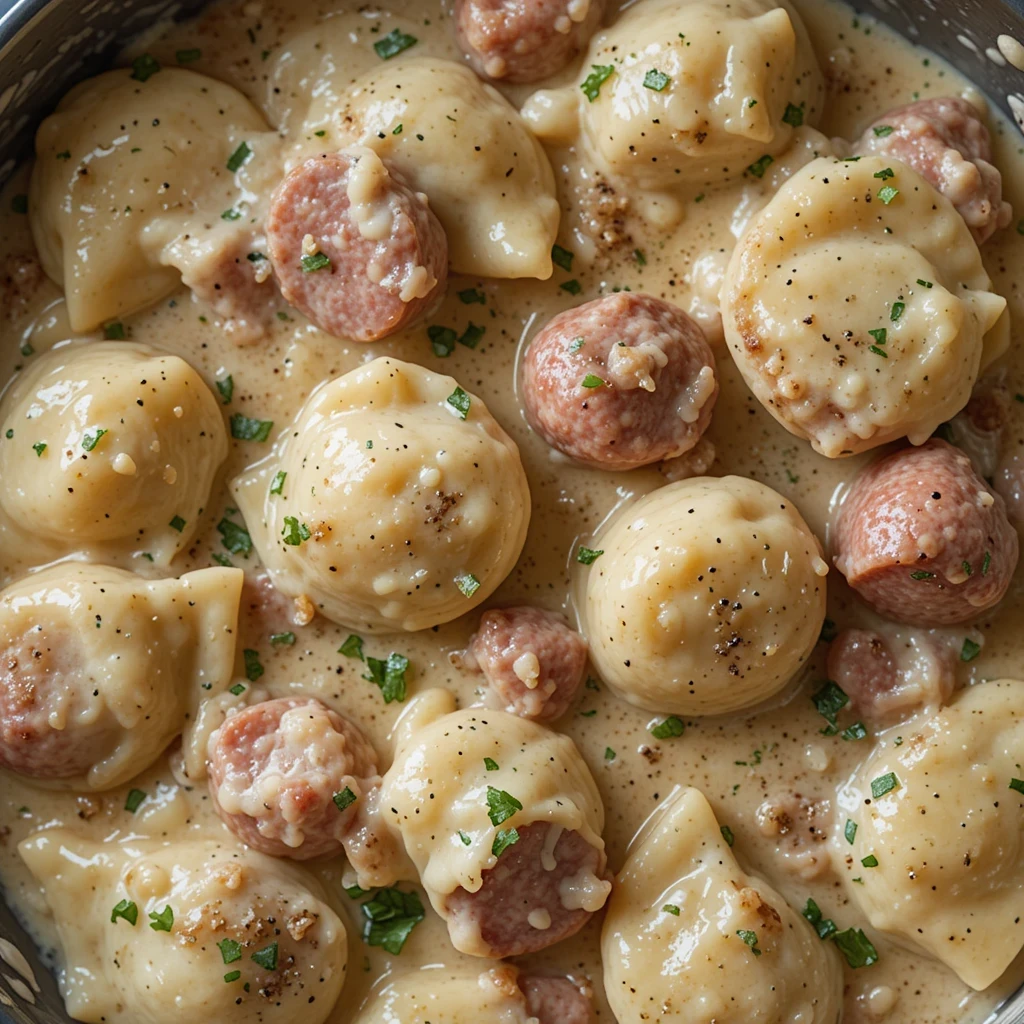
[287, 777]
[947, 143]
[555, 1000]
[528, 901]
[532, 660]
[923, 539]
[524, 40]
[354, 247]
[620, 382]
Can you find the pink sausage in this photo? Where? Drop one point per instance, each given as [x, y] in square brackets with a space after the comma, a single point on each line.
[555, 1001]
[359, 272]
[532, 660]
[947, 143]
[38, 673]
[524, 40]
[521, 882]
[620, 382]
[302, 798]
[923, 539]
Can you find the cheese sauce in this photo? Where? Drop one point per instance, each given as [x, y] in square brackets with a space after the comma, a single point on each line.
[290, 59]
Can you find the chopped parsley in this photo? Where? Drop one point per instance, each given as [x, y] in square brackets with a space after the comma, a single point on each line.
[986, 563]
[266, 957]
[187, 56]
[253, 668]
[391, 916]
[39, 447]
[750, 938]
[501, 805]
[471, 336]
[884, 784]
[887, 194]
[442, 340]
[668, 728]
[897, 311]
[177, 523]
[573, 287]
[467, 583]
[562, 257]
[850, 831]
[576, 344]
[640, 258]
[134, 800]
[794, 115]
[293, 533]
[345, 799]
[232, 976]
[671, 908]
[967, 568]
[282, 639]
[235, 538]
[460, 402]
[758, 167]
[870, 861]
[824, 926]
[587, 556]
[144, 67]
[885, 173]
[490, 764]
[856, 947]
[162, 921]
[238, 689]
[245, 428]
[126, 910]
[857, 731]
[970, 650]
[315, 261]
[656, 80]
[925, 284]
[727, 835]
[882, 130]
[470, 295]
[393, 44]
[255, 257]
[829, 701]
[609, 754]
[352, 647]
[599, 74]
[878, 351]
[114, 331]
[592, 381]
[239, 157]
[388, 675]
[466, 841]
[226, 387]
[880, 334]
[1017, 785]
[230, 950]
[277, 484]
[231, 214]
[503, 839]
[922, 574]
[89, 441]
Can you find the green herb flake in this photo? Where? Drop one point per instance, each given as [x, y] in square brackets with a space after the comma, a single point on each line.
[829, 701]
[587, 556]
[599, 74]
[144, 67]
[1017, 785]
[825, 927]
[226, 387]
[490, 764]
[573, 287]
[501, 805]
[592, 381]
[857, 731]
[656, 80]
[232, 976]
[970, 650]
[235, 538]
[231, 214]
[897, 311]
[238, 689]
[114, 331]
[253, 668]
[884, 784]
[239, 157]
[134, 800]
[562, 257]
[345, 799]
[856, 947]
[390, 918]
[393, 44]
[885, 173]
[39, 447]
[355, 892]
[389, 676]
[758, 167]
[397, 129]
[89, 441]
[469, 296]
[922, 574]
[315, 261]
[887, 194]
[727, 835]
[187, 56]
[442, 340]
[215, 555]
[882, 130]
[576, 344]
[293, 533]
[266, 957]
[352, 647]
[668, 728]
[794, 115]
[671, 908]
[640, 258]
[245, 428]
[870, 861]
[880, 334]
[609, 754]
[460, 402]
[162, 921]
[177, 523]
[925, 284]
[986, 563]
[126, 910]
[471, 336]
[466, 841]
[277, 484]
[503, 839]
[282, 639]
[65, 154]
[230, 951]
[878, 351]
[750, 938]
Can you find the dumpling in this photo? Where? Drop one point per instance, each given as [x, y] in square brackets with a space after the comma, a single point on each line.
[503, 821]
[461, 143]
[691, 92]
[690, 937]
[100, 669]
[141, 182]
[857, 308]
[941, 815]
[396, 502]
[111, 446]
[707, 597]
[192, 931]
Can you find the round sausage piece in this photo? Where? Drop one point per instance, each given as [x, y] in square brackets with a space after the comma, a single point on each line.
[354, 247]
[532, 660]
[947, 143]
[287, 777]
[555, 1000]
[51, 725]
[620, 382]
[922, 538]
[527, 902]
[524, 40]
